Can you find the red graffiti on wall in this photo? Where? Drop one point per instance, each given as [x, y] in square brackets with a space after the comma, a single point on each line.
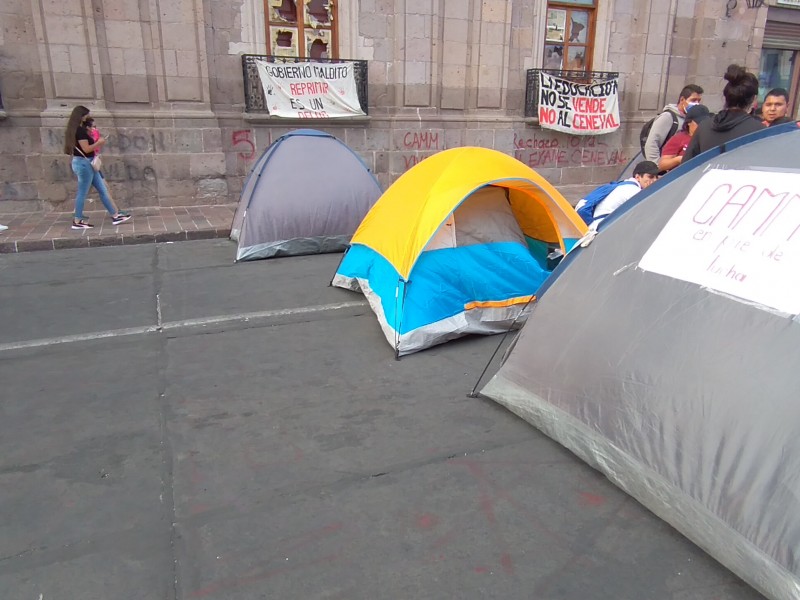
[421, 140]
[242, 138]
[414, 159]
[419, 145]
[571, 151]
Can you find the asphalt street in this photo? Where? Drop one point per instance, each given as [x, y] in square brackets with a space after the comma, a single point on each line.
[175, 426]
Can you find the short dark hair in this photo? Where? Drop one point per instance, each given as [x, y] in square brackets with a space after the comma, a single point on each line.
[697, 113]
[646, 167]
[741, 89]
[689, 89]
[778, 92]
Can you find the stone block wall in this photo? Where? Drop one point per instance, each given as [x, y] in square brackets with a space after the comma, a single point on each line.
[165, 81]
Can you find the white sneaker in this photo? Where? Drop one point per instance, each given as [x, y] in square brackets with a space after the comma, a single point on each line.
[3, 227]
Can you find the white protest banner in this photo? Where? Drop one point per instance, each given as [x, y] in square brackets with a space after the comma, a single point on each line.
[737, 232]
[310, 90]
[578, 108]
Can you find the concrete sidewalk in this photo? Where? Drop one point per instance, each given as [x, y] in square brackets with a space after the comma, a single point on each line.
[52, 231]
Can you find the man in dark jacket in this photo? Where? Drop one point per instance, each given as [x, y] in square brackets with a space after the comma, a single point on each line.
[734, 120]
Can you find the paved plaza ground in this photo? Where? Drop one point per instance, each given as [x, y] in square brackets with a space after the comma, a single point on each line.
[176, 426]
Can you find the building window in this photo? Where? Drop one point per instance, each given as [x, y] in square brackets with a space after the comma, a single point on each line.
[777, 70]
[569, 39]
[780, 57]
[304, 28]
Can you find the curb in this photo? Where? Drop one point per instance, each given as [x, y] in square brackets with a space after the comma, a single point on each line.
[130, 239]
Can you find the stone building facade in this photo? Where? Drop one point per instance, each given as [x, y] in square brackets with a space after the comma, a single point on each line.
[165, 79]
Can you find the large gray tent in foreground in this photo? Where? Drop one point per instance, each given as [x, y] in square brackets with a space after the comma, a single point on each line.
[306, 194]
[666, 354]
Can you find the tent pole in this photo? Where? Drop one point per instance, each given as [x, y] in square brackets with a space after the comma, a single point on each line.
[397, 320]
[474, 393]
[341, 260]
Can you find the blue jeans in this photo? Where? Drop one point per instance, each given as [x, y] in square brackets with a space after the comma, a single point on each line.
[87, 177]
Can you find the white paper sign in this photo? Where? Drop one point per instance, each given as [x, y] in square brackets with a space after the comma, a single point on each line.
[578, 108]
[309, 90]
[737, 232]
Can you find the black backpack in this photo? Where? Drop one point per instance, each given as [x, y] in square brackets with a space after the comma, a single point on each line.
[645, 132]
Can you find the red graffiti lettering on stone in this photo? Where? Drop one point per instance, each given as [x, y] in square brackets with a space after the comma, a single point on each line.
[421, 140]
[520, 143]
[414, 159]
[566, 151]
[243, 137]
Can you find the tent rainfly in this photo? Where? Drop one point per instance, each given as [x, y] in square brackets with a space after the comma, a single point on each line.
[306, 194]
[665, 354]
[457, 245]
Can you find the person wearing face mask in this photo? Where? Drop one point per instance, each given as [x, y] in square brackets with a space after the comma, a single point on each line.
[670, 121]
[776, 104]
[734, 120]
[80, 146]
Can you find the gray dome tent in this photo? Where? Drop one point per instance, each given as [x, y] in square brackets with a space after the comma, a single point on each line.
[306, 194]
[666, 354]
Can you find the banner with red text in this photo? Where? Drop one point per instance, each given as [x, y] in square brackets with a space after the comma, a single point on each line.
[578, 108]
[737, 232]
[310, 90]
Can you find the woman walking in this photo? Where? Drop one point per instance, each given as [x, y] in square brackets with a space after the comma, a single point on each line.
[80, 146]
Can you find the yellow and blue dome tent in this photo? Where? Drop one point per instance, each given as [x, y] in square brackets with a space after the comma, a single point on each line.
[457, 245]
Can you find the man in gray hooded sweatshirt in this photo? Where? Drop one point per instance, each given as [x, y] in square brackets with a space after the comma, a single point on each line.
[690, 95]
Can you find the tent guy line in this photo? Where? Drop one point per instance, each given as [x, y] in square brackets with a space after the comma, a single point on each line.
[177, 325]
